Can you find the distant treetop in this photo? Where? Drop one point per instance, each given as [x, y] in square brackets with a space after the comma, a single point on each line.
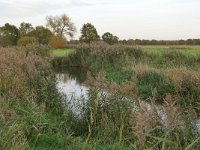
[89, 33]
[61, 25]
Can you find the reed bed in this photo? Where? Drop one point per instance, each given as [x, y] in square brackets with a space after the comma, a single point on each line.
[149, 102]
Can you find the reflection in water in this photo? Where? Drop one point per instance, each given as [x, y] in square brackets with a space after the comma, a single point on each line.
[65, 78]
[76, 92]
[198, 125]
[70, 73]
[70, 83]
[70, 86]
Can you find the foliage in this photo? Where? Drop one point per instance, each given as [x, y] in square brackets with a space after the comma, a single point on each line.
[29, 97]
[109, 38]
[24, 41]
[57, 42]
[89, 33]
[160, 42]
[61, 25]
[42, 34]
[9, 35]
[148, 70]
[25, 29]
[33, 114]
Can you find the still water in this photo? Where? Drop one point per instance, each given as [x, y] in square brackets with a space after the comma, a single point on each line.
[71, 84]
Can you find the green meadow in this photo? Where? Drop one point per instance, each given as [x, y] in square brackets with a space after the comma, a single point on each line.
[193, 51]
[61, 52]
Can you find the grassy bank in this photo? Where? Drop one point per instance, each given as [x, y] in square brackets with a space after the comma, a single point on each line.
[34, 115]
[31, 109]
[133, 76]
[171, 71]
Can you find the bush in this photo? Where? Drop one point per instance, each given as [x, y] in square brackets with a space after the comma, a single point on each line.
[57, 42]
[24, 41]
[186, 83]
[41, 50]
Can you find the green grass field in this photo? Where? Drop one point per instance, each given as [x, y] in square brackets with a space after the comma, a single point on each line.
[193, 51]
[61, 52]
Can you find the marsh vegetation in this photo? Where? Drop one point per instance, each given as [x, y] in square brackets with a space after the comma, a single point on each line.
[96, 94]
[136, 98]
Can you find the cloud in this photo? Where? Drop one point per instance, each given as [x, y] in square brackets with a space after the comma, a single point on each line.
[28, 8]
[139, 18]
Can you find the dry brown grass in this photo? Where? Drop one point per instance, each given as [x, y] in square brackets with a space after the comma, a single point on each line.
[173, 113]
[128, 88]
[145, 120]
[182, 78]
[149, 118]
[17, 67]
[140, 70]
[19, 71]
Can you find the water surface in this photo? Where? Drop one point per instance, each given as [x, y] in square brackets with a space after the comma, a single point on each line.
[71, 84]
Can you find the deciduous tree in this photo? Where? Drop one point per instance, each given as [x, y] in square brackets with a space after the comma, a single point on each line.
[61, 25]
[109, 38]
[24, 41]
[42, 34]
[9, 35]
[89, 33]
[25, 29]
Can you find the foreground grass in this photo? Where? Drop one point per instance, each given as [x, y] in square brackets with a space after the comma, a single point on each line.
[62, 52]
[34, 115]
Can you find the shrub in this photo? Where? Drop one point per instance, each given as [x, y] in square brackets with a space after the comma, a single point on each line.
[41, 50]
[185, 82]
[24, 41]
[57, 42]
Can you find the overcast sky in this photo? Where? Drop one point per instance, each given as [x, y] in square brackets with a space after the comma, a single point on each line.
[143, 19]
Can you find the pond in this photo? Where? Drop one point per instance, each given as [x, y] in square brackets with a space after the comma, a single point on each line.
[70, 82]
[70, 86]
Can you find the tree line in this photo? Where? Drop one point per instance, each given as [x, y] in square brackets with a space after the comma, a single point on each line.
[160, 42]
[56, 32]
[59, 29]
